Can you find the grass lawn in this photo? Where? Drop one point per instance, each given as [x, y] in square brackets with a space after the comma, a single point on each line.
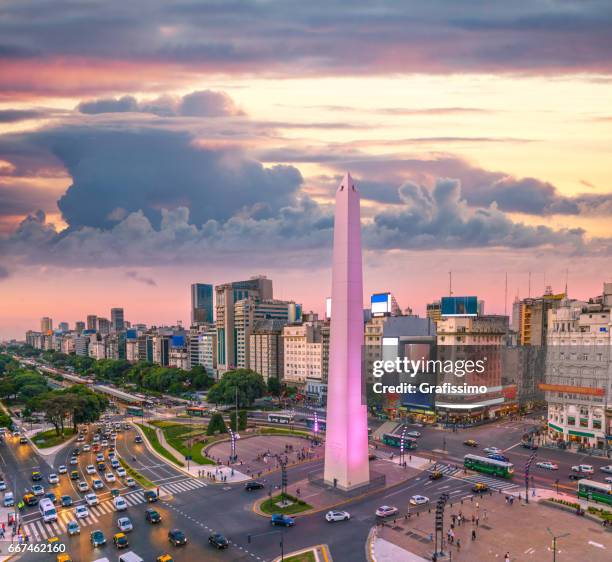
[49, 438]
[178, 435]
[269, 506]
[303, 557]
[154, 441]
[142, 480]
[279, 431]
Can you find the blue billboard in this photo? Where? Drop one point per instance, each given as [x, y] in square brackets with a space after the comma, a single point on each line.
[178, 341]
[459, 306]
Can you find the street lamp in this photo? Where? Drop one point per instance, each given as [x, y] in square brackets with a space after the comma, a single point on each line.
[402, 442]
[554, 541]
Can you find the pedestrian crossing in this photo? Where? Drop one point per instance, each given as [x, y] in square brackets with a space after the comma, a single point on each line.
[493, 483]
[38, 530]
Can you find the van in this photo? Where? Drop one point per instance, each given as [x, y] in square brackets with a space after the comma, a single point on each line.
[47, 510]
[130, 556]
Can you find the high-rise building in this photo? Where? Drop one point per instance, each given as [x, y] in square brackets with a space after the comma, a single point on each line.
[303, 353]
[92, 322]
[81, 345]
[117, 324]
[266, 348]
[227, 295]
[579, 371]
[434, 311]
[201, 303]
[46, 324]
[532, 320]
[63, 327]
[79, 326]
[104, 326]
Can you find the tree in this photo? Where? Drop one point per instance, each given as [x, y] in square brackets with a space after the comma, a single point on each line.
[57, 407]
[274, 386]
[216, 424]
[87, 405]
[5, 420]
[242, 420]
[249, 384]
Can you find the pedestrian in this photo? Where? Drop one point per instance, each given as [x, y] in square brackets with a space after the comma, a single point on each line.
[507, 557]
[477, 519]
[473, 534]
[458, 544]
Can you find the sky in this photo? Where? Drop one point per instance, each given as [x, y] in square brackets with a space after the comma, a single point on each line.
[148, 145]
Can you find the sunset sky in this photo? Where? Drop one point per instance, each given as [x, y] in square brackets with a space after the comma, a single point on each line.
[147, 145]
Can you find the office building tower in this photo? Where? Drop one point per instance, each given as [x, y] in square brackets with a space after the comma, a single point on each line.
[104, 326]
[79, 326]
[63, 327]
[201, 303]
[46, 324]
[117, 324]
[532, 321]
[92, 322]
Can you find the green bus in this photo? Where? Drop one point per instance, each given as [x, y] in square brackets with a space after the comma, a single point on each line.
[134, 411]
[395, 440]
[488, 466]
[595, 491]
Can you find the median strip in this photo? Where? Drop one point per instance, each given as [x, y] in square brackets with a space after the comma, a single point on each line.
[151, 436]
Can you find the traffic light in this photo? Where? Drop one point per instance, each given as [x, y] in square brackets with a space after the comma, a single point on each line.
[439, 520]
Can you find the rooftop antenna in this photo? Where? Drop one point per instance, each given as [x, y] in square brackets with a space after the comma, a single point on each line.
[566, 275]
[450, 283]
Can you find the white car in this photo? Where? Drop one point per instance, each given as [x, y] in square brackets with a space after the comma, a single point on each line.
[337, 516]
[87, 448]
[419, 500]
[80, 438]
[386, 511]
[124, 524]
[90, 469]
[120, 503]
[110, 477]
[97, 484]
[81, 512]
[104, 443]
[121, 472]
[83, 486]
[99, 457]
[493, 450]
[91, 499]
[608, 479]
[53, 478]
[74, 460]
[2, 485]
[63, 469]
[584, 468]
[130, 482]
[414, 434]
[547, 465]
[607, 469]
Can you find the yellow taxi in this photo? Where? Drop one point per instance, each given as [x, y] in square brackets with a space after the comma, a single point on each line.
[30, 499]
[164, 558]
[435, 475]
[121, 540]
[480, 487]
[53, 540]
[63, 557]
[471, 443]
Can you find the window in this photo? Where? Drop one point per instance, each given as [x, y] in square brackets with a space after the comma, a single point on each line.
[596, 424]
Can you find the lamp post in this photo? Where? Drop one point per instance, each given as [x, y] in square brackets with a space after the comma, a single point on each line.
[527, 467]
[233, 437]
[402, 445]
[554, 542]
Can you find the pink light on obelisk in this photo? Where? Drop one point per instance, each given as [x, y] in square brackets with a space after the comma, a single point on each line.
[346, 436]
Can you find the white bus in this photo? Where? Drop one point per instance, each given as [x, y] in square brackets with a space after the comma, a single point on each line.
[47, 510]
[280, 418]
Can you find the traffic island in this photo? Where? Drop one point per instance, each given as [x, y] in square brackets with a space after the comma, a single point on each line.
[285, 504]
[319, 553]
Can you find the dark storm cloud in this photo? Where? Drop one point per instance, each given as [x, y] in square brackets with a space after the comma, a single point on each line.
[4, 273]
[15, 115]
[296, 38]
[136, 276]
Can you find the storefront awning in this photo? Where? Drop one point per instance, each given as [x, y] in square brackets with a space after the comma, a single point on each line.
[580, 433]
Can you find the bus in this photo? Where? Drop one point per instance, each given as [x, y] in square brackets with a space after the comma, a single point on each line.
[595, 491]
[196, 411]
[47, 510]
[134, 411]
[280, 418]
[489, 466]
[310, 424]
[395, 440]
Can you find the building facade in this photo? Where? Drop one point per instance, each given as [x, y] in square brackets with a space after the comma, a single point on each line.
[266, 352]
[201, 303]
[303, 353]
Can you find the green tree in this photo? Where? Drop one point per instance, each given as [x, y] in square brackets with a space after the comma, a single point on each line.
[87, 405]
[57, 407]
[242, 420]
[248, 384]
[5, 420]
[274, 386]
[216, 424]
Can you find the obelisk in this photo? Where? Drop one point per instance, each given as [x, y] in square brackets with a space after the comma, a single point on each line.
[346, 436]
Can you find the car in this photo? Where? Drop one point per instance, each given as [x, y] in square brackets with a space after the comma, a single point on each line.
[101, 467]
[480, 488]
[104, 443]
[115, 463]
[91, 499]
[76, 452]
[120, 540]
[547, 465]
[110, 477]
[413, 433]
[164, 558]
[121, 472]
[608, 479]
[492, 450]
[470, 443]
[607, 469]
[63, 469]
[120, 504]
[2, 485]
[177, 537]
[9, 500]
[81, 512]
[74, 461]
[436, 475]
[115, 492]
[577, 476]
[53, 478]
[86, 448]
[584, 468]
[498, 457]
[124, 524]
[130, 482]
[152, 516]
[97, 538]
[30, 499]
[74, 475]
[66, 501]
[97, 484]
[332, 516]
[90, 469]
[150, 496]
[23, 440]
[218, 540]
[51, 496]
[99, 457]
[38, 490]
[83, 486]
[253, 485]
[80, 438]
[282, 520]
[73, 528]
[419, 500]
[138, 439]
[36, 476]
[386, 511]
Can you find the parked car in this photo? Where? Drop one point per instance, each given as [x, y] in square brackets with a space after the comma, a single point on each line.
[9, 499]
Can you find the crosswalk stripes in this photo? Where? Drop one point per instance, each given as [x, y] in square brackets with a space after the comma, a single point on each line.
[493, 483]
[446, 469]
[39, 531]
